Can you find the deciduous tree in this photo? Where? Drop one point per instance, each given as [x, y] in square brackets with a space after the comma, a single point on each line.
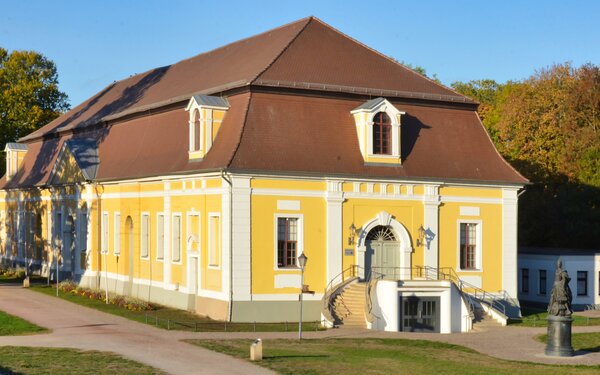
[29, 95]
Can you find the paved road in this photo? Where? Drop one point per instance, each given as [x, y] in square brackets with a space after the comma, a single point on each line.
[78, 327]
[75, 326]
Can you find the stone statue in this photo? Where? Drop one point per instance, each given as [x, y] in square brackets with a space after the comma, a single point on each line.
[561, 296]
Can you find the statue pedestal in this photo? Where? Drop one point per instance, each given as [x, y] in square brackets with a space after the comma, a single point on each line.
[559, 336]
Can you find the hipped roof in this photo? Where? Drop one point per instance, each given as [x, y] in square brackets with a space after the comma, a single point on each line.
[274, 132]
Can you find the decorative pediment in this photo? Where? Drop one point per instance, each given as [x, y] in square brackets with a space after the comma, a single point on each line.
[378, 130]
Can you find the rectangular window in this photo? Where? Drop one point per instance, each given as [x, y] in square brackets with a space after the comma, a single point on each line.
[145, 245]
[160, 236]
[117, 224]
[83, 231]
[105, 232]
[468, 246]
[176, 239]
[525, 280]
[542, 283]
[214, 240]
[582, 283]
[287, 241]
[193, 230]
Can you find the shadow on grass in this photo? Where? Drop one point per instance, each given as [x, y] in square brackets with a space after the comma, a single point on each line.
[5, 371]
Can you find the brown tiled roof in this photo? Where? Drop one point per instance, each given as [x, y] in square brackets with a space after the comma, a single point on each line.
[315, 135]
[272, 132]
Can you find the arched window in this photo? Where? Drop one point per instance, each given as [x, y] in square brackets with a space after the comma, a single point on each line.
[382, 131]
[196, 132]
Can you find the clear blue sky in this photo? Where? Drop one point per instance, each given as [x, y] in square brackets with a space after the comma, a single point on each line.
[95, 43]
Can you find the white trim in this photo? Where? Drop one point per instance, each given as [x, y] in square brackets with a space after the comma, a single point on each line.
[478, 243]
[300, 234]
[149, 229]
[180, 216]
[160, 217]
[210, 243]
[117, 234]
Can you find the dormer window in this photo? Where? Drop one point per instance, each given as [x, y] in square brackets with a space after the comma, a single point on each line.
[206, 115]
[15, 153]
[378, 129]
[382, 131]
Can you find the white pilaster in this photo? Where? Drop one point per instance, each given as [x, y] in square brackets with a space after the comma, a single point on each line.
[335, 198]
[431, 203]
[226, 240]
[241, 226]
[167, 235]
[509, 240]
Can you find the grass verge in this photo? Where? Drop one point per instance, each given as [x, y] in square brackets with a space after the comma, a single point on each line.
[23, 360]
[533, 317]
[381, 356]
[11, 325]
[589, 341]
[168, 318]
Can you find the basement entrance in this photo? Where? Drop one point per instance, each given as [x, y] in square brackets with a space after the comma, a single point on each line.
[420, 314]
[383, 253]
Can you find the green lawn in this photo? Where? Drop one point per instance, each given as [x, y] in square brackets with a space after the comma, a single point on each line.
[381, 356]
[589, 342]
[168, 318]
[12, 325]
[533, 317]
[22, 360]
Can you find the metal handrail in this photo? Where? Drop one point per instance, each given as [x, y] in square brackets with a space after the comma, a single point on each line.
[334, 285]
[474, 291]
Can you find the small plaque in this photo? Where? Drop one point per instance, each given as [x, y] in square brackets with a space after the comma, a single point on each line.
[348, 251]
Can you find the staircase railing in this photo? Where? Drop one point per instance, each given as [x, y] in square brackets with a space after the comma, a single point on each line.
[333, 287]
[492, 299]
[373, 277]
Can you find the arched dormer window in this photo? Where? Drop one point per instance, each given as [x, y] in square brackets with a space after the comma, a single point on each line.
[382, 132]
[195, 133]
[206, 114]
[378, 130]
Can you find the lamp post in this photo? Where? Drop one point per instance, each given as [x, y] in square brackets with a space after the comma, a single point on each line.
[302, 259]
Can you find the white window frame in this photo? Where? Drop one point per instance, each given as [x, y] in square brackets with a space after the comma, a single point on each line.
[478, 247]
[105, 232]
[117, 234]
[160, 218]
[300, 249]
[188, 226]
[147, 235]
[58, 225]
[173, 242]
[210, 242]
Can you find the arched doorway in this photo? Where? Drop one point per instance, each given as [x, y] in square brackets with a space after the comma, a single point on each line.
[382, 256]
[129, 251]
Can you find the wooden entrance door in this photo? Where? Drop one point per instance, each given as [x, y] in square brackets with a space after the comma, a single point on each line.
[383, 254]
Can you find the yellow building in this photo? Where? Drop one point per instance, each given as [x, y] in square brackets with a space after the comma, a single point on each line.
[198, 185]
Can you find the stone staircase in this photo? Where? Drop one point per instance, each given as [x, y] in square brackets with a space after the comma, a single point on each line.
[349, 306]
[482, 321]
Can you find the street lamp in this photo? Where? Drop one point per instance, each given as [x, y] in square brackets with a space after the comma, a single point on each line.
[302, 259]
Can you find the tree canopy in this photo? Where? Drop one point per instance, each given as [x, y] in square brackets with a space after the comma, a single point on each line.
[548, 127]
[29, 95]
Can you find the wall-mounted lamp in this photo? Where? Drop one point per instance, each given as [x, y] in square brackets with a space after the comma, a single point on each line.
[421, 237]
[352, 230]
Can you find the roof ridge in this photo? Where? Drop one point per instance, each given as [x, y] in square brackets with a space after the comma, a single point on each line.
[385, 56]
[308, 20]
